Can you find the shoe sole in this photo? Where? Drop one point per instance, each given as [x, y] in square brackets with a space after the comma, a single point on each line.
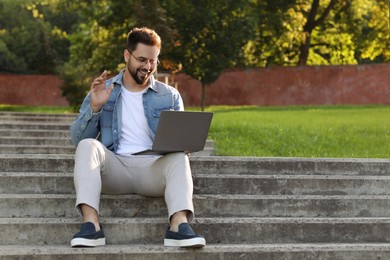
[82, 242]
[192, 242]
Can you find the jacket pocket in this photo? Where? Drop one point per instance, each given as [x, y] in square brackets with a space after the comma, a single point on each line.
[106, 116]
[157, 111]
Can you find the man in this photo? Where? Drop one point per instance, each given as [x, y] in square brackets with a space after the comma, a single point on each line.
[123, 113]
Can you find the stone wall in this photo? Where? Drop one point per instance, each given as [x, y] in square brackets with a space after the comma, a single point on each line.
[32, 90]
[280, 86]
[274, 86]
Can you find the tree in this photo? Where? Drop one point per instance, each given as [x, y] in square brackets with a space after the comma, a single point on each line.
[311, 23]
[28, 43]
[317, 32]
[369, 24]
[275, 33]
[98, 40]
[355, 32]
[210, 37]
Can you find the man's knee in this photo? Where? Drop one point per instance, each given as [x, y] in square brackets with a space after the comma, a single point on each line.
[177, 157]
[89, 148]
[86, 143]
[177, 163]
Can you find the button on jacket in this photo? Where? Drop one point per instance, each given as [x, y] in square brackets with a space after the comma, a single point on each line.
[106, 124]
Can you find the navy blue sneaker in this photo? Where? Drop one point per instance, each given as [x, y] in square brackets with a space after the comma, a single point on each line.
[186, 237]
[88, 237]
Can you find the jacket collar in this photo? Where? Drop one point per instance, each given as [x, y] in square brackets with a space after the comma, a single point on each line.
[118, 80]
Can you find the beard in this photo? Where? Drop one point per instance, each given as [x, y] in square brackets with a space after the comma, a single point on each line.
[140, 75]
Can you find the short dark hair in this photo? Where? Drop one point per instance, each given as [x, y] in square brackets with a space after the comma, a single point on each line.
[143, 35]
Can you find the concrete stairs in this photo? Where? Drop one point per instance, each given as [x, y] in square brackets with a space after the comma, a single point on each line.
[247, 208]
[29, 133]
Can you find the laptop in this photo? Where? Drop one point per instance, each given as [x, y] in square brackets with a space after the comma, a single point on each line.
[180, 131]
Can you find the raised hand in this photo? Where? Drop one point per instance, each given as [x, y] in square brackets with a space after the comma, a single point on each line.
[99, 93]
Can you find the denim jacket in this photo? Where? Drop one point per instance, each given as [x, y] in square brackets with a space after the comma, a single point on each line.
[106, 124]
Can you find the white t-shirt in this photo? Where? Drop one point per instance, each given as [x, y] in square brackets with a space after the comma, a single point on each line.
[135, 131]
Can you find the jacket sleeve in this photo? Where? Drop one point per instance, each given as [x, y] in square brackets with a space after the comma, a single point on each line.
[178, 101]
[86, 125]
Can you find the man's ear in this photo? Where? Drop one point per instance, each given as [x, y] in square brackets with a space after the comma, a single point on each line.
[126, 55]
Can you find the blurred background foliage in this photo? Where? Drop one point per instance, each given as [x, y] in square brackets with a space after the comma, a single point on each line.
[79, 39]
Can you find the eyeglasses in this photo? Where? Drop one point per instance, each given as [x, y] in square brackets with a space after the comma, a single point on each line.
[144, 61]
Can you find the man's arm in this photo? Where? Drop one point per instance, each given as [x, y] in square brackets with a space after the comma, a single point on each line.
[86, 124]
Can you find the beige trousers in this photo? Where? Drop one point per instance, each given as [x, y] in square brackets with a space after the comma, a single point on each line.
[98, 170]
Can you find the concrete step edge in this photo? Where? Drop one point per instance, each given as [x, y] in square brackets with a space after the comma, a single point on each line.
[206, 196]
[21, 139]
[34, 123]
[17, 113]
[27, 138]
[38, 147]
[221, 176]
[243, 159]
[269, 160]
[206, 205]
[225, 176]
[26, 131]
[36, 120]
[205, 220]
[26, 231]
[221, 205]
[11, 250]
[36, 126]
[33, 196]
[219, 164]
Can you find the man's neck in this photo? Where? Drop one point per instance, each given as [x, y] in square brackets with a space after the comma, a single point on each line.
[129, 83]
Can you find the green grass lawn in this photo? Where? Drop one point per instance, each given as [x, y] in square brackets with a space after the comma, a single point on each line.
[321, 131]
[307, 131]
[37, 109]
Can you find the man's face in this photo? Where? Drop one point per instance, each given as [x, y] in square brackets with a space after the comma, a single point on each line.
[142, 62]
